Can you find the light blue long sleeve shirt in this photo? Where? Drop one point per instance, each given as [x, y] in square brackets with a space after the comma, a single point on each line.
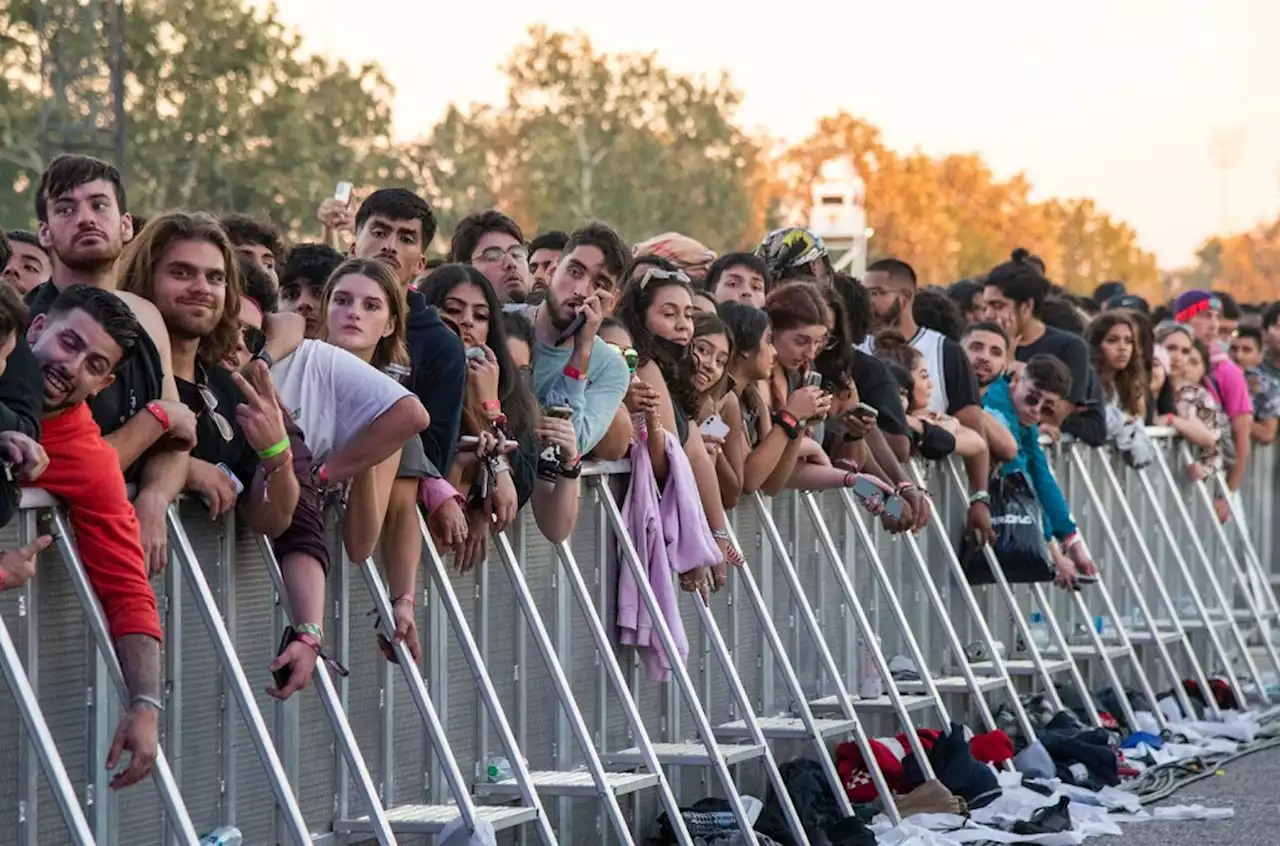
[1030, 460]
[595, 400]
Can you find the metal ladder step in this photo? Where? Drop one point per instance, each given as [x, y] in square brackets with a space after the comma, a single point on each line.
[1194, 624]
[830, 704]
[431, 819]
[1088, 650]
[1025, 666]
[786, 728]
[1144, 637]
[952, 684]
[688, 754]
[572, 783]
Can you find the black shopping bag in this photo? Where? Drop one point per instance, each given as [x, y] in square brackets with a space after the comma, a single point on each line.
[1018, 521]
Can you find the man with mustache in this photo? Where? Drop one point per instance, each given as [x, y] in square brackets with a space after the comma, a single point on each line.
[80, 205]
[583, 372]
[79, 343]
[494, 243]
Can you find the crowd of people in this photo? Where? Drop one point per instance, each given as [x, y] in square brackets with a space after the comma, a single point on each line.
[197, 354]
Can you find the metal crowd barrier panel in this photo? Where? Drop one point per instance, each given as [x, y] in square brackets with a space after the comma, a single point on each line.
[780, 665]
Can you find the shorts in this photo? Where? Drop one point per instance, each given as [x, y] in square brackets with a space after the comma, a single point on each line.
[414, 463]
[306, 533]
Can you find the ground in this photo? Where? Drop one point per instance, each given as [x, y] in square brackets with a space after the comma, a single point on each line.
[1249, 786]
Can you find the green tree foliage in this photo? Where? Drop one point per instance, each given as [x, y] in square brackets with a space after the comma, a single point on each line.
[585, 134]
[224, 110]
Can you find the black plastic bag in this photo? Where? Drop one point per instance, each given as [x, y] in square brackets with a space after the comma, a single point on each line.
[1018, 521]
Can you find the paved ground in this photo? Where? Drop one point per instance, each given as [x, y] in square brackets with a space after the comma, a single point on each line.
[1251, 786]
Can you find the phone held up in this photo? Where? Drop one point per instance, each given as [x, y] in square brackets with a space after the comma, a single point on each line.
[342, 193]
[715, 427]
[549, 458]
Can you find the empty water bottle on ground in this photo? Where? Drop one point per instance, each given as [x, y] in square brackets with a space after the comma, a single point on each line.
[226, 835]
[496, 770]
[1039, 631]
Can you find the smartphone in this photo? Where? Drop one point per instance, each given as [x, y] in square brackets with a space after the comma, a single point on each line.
[475, 354]
[562, 412]
[572, 328]
[281, 676]
[867, 411]
[893, 507]
[865, 489]
[342, 193]
[813, 379]
[715, 427]
[468, 443]
[398, 372]
[235, 480]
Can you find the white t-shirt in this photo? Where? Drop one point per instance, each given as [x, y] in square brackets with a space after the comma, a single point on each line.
[930, 345]
[332, 395]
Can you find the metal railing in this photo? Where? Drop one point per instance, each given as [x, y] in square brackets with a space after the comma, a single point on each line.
[520, 662]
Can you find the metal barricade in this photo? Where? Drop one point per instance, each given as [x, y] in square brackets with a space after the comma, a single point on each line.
[827, 600]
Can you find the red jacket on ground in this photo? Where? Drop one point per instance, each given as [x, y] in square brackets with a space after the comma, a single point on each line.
[84, 472]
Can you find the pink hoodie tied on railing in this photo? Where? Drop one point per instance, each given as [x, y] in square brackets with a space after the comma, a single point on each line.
[671, 535]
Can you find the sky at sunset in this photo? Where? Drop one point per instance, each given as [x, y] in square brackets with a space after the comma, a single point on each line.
[1117, 100]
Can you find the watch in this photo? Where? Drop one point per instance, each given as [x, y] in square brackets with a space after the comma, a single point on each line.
[263, 356]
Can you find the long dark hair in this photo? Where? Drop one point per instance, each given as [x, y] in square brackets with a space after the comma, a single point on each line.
[1132, 385]
[677, 371]
[704, 325]
[747, 325]
[517, 400]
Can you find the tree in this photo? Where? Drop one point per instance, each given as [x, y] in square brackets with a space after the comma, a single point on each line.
[586, 135]
[224, 112]
[1245, 264]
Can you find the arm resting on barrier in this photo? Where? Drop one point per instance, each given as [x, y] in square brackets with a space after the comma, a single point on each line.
[1057, 513]
[384, 437]
[616, 443]
[367, 507]
[1241, 432]
[978, 466]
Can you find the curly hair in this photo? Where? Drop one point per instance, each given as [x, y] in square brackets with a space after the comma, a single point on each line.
[1131, 385]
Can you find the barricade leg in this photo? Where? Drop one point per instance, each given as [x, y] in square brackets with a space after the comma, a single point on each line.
[176, 811]
[1228, 666]
[970, 600]
[614, 676]
[64, 792]
[337, 716]
[842, 702]
[207, 608]
[607, 784]
[708, 752]
[1151, 623]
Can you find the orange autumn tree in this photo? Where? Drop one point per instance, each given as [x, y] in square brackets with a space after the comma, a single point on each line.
[1246, 264]
[951, 217]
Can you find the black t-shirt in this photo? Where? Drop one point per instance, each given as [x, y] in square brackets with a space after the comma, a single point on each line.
[1070, 350]
[878, 389]
[21, 391]
[212, 445]
[957, 376]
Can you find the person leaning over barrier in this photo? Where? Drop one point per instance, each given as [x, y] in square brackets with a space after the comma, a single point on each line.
[80, 204]
[79, 343]
[1019, 400]
[245, 453]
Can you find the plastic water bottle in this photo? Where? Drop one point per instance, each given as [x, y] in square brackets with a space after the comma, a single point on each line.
[497, 769]
[226, 835]
[1039, 631]
[870, 685]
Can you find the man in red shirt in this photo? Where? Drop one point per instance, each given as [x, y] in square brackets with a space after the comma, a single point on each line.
[78, 344]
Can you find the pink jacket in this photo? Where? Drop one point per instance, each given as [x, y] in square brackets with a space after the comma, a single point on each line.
[671, 534]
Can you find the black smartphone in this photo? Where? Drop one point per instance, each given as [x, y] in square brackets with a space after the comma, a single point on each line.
[572, 328]
[281, 676]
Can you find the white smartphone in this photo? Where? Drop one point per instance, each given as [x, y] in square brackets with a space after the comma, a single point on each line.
[715, 427]
[342, 193]
[235, 480]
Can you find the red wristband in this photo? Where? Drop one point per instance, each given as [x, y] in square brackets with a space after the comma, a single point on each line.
[310, 640]
[574, 373]
[788, 418]
[322, 475]
[405, 597]
[158, 412]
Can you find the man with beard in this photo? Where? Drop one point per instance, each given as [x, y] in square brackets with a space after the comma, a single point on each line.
[544, 255]
[495, 245]
[1019, 401]
[395, 225]
[582, 372]
[245, 449]
[80, 204]
[78, 344]
[891, 289]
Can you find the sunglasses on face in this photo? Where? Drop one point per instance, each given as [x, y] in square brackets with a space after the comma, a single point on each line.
[254, 338]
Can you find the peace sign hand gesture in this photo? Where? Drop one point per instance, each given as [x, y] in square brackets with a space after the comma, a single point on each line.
[259, 416]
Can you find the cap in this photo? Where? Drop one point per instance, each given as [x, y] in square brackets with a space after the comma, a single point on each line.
[1190, 303]
[1132, 302]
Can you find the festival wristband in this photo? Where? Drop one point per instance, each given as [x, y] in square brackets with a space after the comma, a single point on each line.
[158, 412]
[788, 423]
[492, 406]
[310, 629]
[574, 373]
[983, 497]
[275, 449]
[146, 700]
